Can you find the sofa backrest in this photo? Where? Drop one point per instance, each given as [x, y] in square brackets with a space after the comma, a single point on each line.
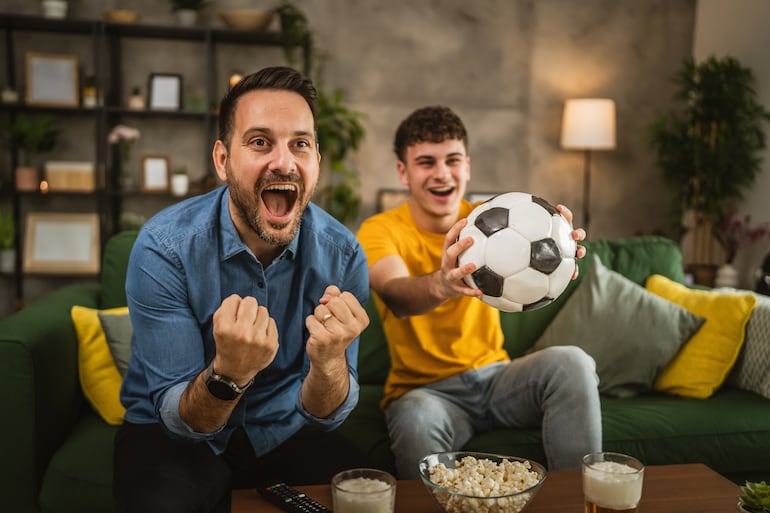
[636, 258]
[114, 267]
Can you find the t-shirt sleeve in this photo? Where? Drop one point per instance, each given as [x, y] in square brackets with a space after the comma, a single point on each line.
[377, 238]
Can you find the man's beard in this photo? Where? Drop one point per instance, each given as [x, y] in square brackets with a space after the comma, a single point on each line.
[246, 205]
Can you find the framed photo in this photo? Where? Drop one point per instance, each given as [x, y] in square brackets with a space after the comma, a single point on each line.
[52, 79]
[165, 91]
[155, 173]
[61, 243]
[391, 198]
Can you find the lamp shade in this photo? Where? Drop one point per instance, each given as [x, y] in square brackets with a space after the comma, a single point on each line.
[588, 124]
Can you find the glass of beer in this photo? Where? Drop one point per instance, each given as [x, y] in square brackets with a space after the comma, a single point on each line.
[612, 482]
[363, 490]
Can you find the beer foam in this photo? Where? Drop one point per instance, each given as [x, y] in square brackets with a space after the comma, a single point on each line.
[612, 485]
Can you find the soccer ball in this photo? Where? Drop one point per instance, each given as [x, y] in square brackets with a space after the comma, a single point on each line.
[523, 249]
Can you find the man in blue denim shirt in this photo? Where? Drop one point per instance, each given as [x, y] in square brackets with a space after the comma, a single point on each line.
[246, 305]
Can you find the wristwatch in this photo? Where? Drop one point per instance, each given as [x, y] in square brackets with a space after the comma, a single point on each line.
[223, 387]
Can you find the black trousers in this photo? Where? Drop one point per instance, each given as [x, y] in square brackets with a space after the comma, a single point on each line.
[154, 473]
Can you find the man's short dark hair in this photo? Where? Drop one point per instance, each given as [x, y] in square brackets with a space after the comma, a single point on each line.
[433, 124]
[280, 78]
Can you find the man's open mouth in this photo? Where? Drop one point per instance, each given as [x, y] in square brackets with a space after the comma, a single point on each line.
[279, 199]
[441, 191]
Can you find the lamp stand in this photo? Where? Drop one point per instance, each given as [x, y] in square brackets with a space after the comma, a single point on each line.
[586, 187]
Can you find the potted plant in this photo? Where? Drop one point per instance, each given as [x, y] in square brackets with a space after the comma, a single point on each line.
[708, 148]
[186, 11]
[339, 132]
[7, 240]
[339, 128]
[755, 497]
[29, 136]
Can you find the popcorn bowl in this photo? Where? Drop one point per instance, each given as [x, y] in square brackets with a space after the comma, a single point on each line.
[465, 482]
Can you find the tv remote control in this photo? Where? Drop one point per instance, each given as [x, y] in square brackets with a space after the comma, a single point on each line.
[290, 499]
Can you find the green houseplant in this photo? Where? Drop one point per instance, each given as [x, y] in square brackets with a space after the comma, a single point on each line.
[29, 136]
[755, 497]
[708, 147]
[340, 130]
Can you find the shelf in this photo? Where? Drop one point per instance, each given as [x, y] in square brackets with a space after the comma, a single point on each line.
[107, 62]
[185, 114]
[22, 107]
[41, 24]
[143, 30]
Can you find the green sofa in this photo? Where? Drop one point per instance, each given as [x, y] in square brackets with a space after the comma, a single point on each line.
[58, 452]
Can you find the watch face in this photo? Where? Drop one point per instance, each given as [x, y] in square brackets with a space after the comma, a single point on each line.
[220, 390]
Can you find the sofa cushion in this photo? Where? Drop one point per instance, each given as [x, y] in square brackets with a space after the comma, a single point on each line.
[99, 376]
[705, 360]
[635, 258]
[631, 333]
[117, 331]
[752, 368]
[79, 476]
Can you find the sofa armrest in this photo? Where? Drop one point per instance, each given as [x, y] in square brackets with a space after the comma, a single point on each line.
[40, 396]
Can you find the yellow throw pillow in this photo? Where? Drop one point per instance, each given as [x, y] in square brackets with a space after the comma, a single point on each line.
[99, 376]
[703, 363]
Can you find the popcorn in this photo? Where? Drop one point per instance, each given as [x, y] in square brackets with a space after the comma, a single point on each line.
[483, 478]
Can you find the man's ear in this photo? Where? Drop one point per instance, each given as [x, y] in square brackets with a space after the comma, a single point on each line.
[219, 155]
[402, 176]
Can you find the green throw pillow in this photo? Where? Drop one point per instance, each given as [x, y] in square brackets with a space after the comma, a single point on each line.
[631, 333]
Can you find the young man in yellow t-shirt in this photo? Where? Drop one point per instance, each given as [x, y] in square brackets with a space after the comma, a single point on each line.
[450, 376]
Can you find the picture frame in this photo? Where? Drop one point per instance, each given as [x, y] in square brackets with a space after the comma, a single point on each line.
[388, 199]
[155, 173]
[51, 79]
[164, 91]
[57, 243]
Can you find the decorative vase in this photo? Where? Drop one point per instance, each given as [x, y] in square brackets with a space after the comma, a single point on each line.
[186, 17]
[7, 260]
[180, 184]
[54, 8]
[727, 276]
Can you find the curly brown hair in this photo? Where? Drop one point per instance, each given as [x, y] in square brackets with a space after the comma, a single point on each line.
[428, 124]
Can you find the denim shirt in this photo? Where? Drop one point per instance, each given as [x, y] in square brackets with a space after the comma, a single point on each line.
[186, 260]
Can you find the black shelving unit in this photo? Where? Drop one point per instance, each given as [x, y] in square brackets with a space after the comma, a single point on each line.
[107, 40]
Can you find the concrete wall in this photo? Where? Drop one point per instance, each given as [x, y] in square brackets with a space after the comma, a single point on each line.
[506, 66]
[744, 35]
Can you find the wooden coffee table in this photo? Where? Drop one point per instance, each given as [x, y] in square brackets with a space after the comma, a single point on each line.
[691, 488]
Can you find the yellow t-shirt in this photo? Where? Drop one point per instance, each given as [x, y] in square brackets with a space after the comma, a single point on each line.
[461, 334]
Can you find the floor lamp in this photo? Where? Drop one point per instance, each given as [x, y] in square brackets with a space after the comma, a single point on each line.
[588, 124]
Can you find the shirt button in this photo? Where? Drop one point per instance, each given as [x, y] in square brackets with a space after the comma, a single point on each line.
[261, 284]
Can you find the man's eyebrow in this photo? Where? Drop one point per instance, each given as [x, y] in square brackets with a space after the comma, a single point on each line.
[268, 131]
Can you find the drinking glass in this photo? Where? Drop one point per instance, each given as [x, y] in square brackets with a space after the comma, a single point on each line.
[363, 490]
[612, 482]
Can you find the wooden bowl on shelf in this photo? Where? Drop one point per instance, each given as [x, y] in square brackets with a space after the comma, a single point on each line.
[121, 16]
[247, 19]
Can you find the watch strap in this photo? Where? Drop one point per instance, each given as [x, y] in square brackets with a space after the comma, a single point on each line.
[223, 387]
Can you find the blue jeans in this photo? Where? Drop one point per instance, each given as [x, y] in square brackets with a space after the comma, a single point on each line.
[555, 388]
